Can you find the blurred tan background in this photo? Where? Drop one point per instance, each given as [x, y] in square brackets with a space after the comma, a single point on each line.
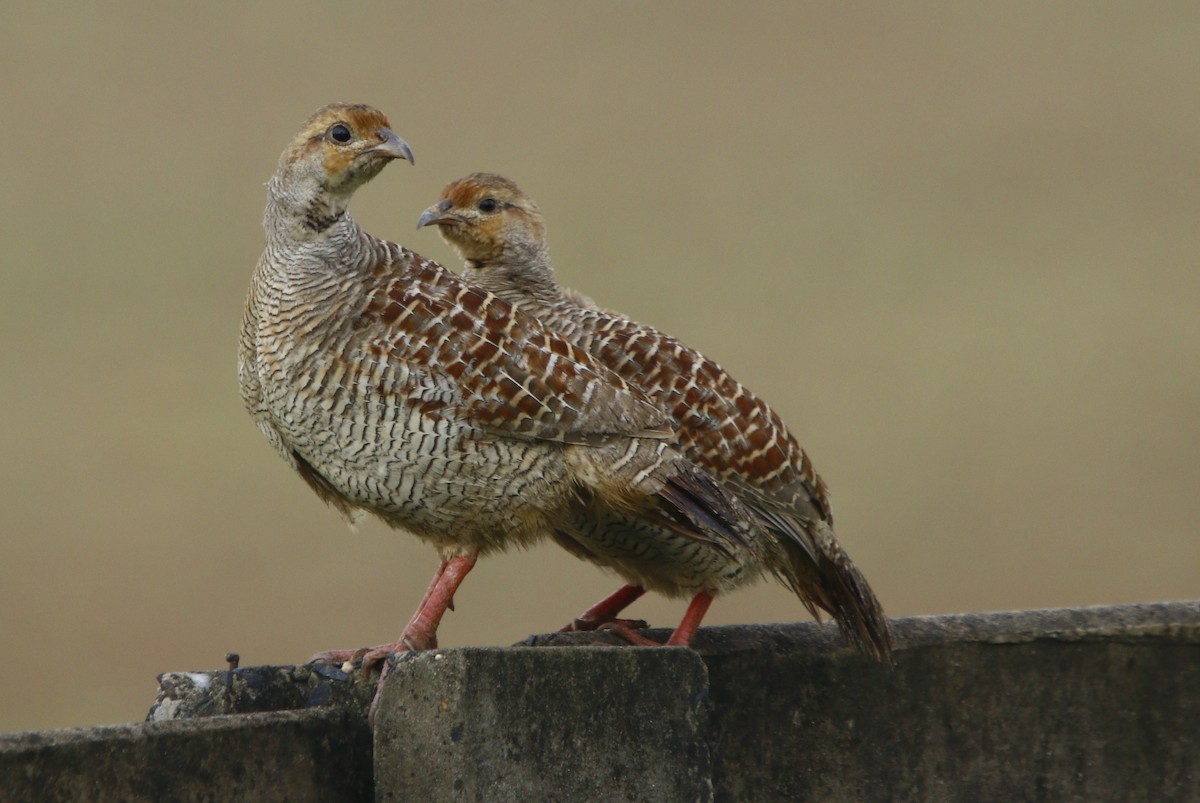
[957, 247]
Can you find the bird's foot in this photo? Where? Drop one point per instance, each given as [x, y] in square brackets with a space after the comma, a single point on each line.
[363, 658]
[339, 658]
[583, 624]
[366, 658]
[619, 628]
[606, 611]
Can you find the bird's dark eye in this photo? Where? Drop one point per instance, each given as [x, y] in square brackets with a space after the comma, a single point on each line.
[339, 133]
[487, 205]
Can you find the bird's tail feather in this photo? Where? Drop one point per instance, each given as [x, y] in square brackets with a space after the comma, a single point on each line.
[822, 575]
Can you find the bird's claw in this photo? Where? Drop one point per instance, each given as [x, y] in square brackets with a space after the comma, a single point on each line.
[582, 625]
[621, 629]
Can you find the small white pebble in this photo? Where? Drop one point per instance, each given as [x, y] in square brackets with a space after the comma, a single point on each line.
[348, 667]
[199, 678]
[437, 656]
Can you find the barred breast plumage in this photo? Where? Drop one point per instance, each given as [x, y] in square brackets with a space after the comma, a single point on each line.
[396, 389]
[721, 424]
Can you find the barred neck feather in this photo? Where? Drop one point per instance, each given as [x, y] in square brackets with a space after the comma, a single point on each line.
[299, 211]
[522, 271]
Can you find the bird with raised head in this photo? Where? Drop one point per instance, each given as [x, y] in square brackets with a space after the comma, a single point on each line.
[721, 425]
[394, 388]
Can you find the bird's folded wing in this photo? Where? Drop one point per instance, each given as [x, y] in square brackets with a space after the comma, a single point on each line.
[510, 376]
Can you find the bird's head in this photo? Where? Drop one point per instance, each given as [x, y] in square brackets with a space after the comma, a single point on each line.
[486, 218]
[341, 147]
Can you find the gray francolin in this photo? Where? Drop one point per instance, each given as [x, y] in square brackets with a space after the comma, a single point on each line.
[722, 426]
[394, 388]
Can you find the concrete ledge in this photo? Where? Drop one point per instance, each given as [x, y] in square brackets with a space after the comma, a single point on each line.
[1080, 704]
[321, 755]
[1146, 623]
[1088, 704]
[519, 725]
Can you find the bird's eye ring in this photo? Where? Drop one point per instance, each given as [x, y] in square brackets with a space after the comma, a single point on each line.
[340, 133]
[487, 205]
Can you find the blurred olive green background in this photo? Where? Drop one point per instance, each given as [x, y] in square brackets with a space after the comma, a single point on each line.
[956, 246]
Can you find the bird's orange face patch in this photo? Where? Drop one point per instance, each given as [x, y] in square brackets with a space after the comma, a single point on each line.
[363, 124]
[483, 213]
[466, 193]
[463, 195]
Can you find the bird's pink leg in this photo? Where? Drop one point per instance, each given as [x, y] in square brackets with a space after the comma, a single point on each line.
[343, 655]
[682, 635]
[605, 611]
[691, 620]
[421, 631]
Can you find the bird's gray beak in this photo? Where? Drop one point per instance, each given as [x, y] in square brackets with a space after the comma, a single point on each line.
[392, 146]
[435, 213]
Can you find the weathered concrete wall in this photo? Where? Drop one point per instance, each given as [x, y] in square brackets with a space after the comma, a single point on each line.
[521, 724]
[1092, 704]
[1060, 706]
[1067, 705]
[314, 755]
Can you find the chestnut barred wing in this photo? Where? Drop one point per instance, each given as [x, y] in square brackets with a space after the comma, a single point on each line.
[511, 376]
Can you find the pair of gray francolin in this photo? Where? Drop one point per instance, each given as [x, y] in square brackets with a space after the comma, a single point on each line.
[496, 408]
